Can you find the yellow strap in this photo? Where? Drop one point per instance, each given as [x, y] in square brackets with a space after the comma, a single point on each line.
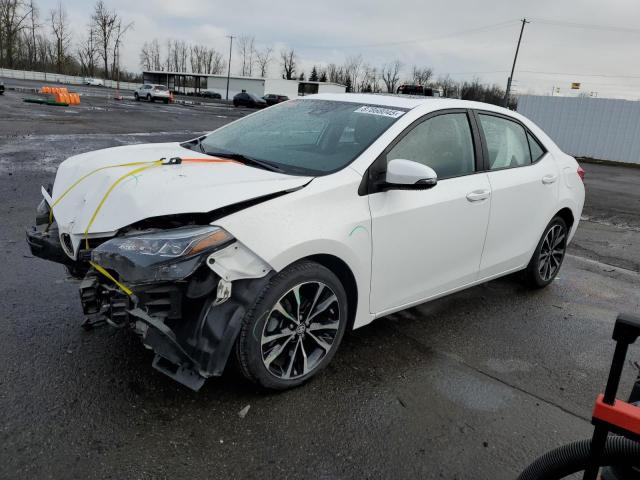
[122, 287]
[75, 184]
[157, 163]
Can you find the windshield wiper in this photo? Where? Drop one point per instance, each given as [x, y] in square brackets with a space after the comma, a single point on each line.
[254, 162]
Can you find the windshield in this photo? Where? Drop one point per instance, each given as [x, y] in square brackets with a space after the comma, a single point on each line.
[310, 137]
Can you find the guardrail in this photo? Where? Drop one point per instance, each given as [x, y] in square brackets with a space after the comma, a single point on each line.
[59, 78]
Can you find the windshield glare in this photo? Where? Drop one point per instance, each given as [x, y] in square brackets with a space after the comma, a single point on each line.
[307, 136]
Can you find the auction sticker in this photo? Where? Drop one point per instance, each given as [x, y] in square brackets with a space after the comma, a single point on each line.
[384, 112]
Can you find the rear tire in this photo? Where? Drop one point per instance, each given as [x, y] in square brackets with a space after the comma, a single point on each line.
[548, 255]
[150, 98]
[294, 328]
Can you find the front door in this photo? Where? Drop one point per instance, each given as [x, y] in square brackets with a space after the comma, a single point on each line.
[429, 242]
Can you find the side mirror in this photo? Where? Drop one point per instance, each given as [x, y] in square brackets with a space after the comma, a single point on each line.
[409, 175]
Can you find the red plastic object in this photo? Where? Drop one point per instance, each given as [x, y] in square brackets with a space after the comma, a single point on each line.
[581, 173]
[621, 414]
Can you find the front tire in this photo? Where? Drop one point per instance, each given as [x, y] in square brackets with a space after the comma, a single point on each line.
[136, 96]
[548, 255]
[294, 328]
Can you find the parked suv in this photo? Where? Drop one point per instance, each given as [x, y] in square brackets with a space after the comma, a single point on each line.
[245, 99]
[272, 98]
[151, 93]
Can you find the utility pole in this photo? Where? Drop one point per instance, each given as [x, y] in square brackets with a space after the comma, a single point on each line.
[229, 69]
[515, 58]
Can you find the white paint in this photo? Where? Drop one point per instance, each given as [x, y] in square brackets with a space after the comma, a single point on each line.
[403, 247]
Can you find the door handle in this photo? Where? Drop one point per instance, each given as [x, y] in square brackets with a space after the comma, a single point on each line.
[478, 195]
[547, 179]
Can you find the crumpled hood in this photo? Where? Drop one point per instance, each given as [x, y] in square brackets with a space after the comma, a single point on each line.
[192, 187]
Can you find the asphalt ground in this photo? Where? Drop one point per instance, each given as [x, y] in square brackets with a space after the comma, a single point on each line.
[471, 386]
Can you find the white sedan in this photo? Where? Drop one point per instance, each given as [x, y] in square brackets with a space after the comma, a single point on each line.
[268, 238]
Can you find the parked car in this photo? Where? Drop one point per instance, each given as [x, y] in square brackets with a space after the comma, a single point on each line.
[151, 93]
[96, 82]
[270, 237]
[250, 100]
[272, 98]
[211, 94]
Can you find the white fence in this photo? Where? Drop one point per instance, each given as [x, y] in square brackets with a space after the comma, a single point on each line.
[599, 128]
[58, 78]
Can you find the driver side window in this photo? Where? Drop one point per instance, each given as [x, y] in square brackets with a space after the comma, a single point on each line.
[444, 143]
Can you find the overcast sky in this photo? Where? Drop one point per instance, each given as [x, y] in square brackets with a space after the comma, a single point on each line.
[594, 42]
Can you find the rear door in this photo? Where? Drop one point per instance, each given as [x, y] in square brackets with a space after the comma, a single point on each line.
[429, 242]
[524, 185]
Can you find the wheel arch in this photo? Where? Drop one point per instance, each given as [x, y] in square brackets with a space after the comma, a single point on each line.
[567, 215]
[341, 270]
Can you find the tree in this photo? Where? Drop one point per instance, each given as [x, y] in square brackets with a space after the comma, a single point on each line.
[13, 20]
[390, 74]
[213, 61]
[31, 42]
[61, 33]
[314, 75]
[301, 77]
[104, 22]
[450, 87]
[246, 47]
[145, 56]
[352, 68]
[87, 53]
[263, 58]
[118, 33]
[421, 76]
[323, 76]
[288, 61]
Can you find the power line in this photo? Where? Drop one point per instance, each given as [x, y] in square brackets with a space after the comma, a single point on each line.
[535, 72]
[603, 75]
[416, 40]
[607, 28]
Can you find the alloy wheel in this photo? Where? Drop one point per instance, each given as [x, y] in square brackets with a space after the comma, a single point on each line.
[300, 330]
[552, 252]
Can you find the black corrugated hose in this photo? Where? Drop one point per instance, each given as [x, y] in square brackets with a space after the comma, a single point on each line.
[573, 458]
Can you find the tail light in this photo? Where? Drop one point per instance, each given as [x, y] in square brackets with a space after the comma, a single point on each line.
[581, 173]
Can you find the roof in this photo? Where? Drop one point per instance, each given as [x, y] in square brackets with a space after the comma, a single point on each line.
[409, 102]
[234, 77]
[189, 74]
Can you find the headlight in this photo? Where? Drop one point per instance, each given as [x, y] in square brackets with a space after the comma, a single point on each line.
[167, 255]
[180, 242]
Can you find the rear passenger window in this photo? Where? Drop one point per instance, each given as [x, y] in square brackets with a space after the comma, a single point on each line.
[506, 141]
[536, 150]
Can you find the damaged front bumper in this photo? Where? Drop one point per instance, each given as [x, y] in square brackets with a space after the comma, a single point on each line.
[188, 310]
[191, 334]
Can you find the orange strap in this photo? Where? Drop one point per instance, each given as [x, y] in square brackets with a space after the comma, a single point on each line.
[207, 160]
